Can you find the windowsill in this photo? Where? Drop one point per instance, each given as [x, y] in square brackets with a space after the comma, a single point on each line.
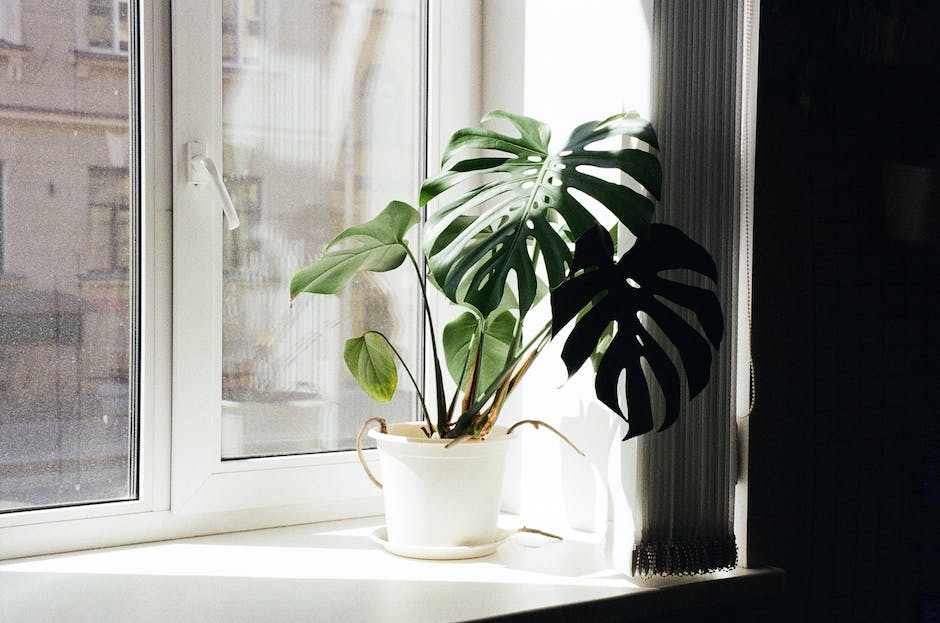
[12, 50]
[335, 572]
[231, 69]
[86, 60]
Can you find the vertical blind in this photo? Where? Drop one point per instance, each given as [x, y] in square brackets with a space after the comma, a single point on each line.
[686, 475]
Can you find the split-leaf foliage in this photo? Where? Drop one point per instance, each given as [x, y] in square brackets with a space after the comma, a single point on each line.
[512, 220]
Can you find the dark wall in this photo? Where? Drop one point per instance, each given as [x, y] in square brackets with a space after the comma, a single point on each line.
[844, 482]
[844, 449]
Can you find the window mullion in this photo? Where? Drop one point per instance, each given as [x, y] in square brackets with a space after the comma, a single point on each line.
[197, 244]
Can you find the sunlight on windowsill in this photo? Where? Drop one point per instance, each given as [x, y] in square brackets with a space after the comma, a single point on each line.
[310, 552]
[319, 564]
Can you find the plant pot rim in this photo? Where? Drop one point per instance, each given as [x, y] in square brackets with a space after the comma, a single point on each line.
[410, 433]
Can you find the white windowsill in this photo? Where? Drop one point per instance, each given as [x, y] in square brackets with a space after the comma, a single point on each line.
[334, 572]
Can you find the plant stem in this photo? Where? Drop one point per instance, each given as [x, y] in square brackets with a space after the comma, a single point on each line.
[537, 424]
[536, 344]
[473, 385]
[443, 421]
[463, 373]
[539, 532]
[424, 406]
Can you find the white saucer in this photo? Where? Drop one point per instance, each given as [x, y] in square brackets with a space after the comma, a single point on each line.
[459, 552]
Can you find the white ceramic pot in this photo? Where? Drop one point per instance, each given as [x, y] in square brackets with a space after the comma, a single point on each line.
[438, 497]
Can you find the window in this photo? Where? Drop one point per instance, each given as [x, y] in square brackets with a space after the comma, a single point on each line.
[67, 302]
[154, 382]
[107, 26]
[109, 212]
[179, 392]
[241, 31]
[10, 32]
[300, 178]
[12, 50]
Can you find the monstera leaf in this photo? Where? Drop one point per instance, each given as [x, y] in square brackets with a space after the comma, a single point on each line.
[527, 210]
[602, 293]
[461, 334]
[370, 361]
[381, 247]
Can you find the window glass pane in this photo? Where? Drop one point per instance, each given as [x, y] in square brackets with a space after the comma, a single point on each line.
[67, 433]
[321, 129]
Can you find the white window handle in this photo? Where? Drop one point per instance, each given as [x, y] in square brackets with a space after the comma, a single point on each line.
[200, 163]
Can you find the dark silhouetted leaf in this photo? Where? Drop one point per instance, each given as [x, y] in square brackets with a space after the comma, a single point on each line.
[602, 293]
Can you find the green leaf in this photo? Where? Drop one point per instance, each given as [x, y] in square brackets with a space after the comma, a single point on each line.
[370, 361]
[389, 226]
[602, 293]
[526, 212]
[453, 230]
[381, 247]
[603, 342]
[460, 335]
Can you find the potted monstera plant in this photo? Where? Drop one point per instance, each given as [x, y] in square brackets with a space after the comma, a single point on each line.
[515, 226]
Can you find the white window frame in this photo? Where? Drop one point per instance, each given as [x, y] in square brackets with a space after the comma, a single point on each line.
[184, 488]
[81, 526]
